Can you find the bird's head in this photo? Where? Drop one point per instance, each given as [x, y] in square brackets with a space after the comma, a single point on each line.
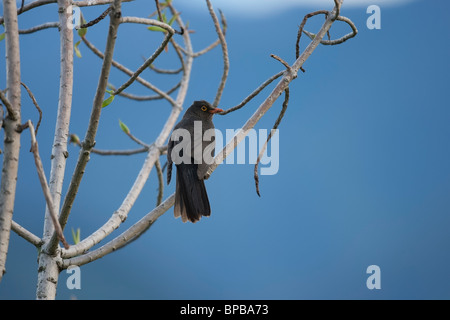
[202, 109]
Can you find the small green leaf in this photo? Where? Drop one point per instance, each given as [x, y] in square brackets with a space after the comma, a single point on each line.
[172, 19]
[76, 236]
[110, 91]
[2, 36]
[82, 31]
[77, 51]
[108, 101]
[124, 127]
[74, 139]
[155, 28]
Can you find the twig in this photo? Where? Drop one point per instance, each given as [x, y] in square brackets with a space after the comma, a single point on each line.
[254, 93]
[179, 53]
[284, 63]
[275, 126]
[138, 228]
[151, 22]
[158, 9]
[268, 102]
[30, 6]
[75, 140]
[165, 71]
[27, 235]
[1, 120]
[226, 62]
[9, 107]
[160, 182]
[35, 104]
[302, 25]
[90, 3]
[43, 26]
[146, 98]
[86, 3]
[123, 239]
[129, 72]
[340, 40]
[21, 7]
[44, 185]
[154, 153]
[135, 139]
[91, 132]
[337, 6]
[145, 64]
[96, 20]
[217, 42]
[337, 9]
[119, 152]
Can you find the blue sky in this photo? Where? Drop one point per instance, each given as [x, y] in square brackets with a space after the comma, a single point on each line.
[364, 175]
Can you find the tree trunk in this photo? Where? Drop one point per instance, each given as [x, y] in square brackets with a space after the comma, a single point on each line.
[12, 137]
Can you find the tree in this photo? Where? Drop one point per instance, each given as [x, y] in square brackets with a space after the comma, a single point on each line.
[52, 257]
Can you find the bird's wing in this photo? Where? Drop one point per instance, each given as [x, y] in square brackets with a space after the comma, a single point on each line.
[169, 160]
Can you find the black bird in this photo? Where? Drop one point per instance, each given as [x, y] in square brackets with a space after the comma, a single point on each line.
[192, 153]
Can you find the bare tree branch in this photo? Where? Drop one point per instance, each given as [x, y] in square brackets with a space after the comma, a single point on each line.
[160, 182]
[123, 239]
[142, 225]
[302, 25]
[75, 140]
[130, 73]
[8, 106]
[275, 126]
[30, 6]
[90, 3]
[89, 140]
[289, 75]
[165, 71]
[35, 104]
[96, 20]
[217, 42]
[340, 40]
[155, 150]
[158, 9]
[27, 235]
[150, 22]
[11, 136]
[144, 66]
[43, 26]
[146, 98]
[226, 63]
[119, 152]
[44, 185]
[254, 93]
[48, 269]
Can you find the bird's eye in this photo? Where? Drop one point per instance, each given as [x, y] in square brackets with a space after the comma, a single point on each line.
[204, 108]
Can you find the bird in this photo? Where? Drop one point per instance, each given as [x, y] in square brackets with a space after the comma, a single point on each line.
[189, 149]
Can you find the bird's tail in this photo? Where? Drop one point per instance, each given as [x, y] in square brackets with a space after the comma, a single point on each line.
[191, 199]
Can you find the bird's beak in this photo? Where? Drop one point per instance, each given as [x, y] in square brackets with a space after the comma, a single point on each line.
[216, 110]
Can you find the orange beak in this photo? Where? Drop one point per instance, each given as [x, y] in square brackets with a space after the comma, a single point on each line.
[216, 110]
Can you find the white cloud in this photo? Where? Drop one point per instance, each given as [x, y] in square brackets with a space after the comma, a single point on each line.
[264, 7]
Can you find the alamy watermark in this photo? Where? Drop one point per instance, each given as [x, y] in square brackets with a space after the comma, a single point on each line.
[374, 21]
[74, 280]
[74, 13]
[374, 280]
[199, 148]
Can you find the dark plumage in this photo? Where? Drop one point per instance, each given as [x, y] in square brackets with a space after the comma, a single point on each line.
[191, 199]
